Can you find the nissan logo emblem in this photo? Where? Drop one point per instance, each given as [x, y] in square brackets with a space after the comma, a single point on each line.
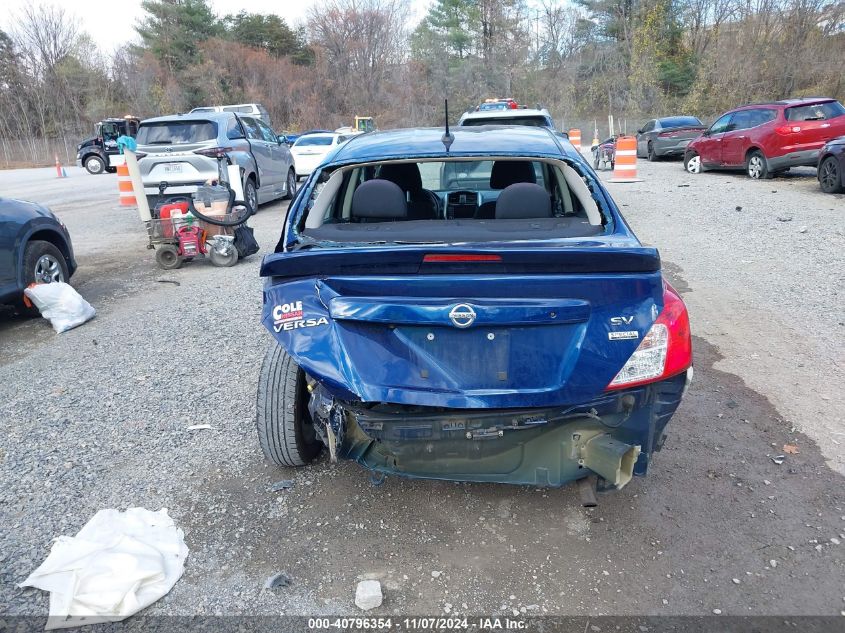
[462, 315]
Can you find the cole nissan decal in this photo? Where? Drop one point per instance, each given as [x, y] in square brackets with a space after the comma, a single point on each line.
[288, 316]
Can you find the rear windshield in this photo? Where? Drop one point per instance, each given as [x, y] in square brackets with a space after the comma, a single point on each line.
[531, 121]
[815, 111]
[451, 201]
[313, 140]
[176, 132]
[679, 121]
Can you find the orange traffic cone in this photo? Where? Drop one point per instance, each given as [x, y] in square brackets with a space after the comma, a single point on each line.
[625, 165]
[60, 172]
[124, 187]
[575, 138]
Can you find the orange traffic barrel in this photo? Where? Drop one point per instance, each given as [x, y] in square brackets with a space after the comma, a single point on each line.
[124, 187]
[625, 165]
[575, 138]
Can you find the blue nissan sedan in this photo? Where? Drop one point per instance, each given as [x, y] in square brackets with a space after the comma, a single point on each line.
[468, 307]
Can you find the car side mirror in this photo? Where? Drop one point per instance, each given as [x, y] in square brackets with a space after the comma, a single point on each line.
[706, 133]
[639, 131]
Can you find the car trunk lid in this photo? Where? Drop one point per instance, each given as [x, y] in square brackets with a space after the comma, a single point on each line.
[529, 329]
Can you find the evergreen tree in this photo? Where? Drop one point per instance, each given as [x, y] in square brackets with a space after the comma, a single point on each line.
[270, 33]
[173, 30]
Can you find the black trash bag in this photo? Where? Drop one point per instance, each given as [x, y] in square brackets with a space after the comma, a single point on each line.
[245, 242]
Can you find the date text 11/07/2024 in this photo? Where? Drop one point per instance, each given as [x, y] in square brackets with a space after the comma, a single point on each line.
[418, 623]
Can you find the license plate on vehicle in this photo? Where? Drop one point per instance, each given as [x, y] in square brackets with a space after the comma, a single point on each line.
[173, 168]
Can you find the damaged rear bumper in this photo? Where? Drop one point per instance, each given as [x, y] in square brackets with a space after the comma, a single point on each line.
[612, 436]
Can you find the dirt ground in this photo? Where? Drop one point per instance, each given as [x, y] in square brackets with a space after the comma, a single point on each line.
[97, 418]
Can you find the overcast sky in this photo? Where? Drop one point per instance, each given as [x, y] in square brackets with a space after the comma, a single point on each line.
[110, 23]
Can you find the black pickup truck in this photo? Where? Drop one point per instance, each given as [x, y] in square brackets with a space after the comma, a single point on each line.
[94, 153]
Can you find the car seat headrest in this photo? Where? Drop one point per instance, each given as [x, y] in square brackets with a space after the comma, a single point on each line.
[379, 199]
[523, 200]
[406, 175]
[509, 172]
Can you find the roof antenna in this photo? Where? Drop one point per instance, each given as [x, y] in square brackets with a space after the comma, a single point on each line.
[448, 137]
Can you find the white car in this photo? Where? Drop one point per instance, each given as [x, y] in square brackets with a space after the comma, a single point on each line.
[512, 116]
[310, 150]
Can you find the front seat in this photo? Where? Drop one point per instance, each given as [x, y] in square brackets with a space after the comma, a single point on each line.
[504, 174]
[378, 201]
[422, 203]
[523, 200]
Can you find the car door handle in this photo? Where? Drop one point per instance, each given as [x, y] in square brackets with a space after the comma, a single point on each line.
[740, 137]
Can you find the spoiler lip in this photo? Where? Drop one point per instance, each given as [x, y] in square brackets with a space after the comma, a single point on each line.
[595, 256]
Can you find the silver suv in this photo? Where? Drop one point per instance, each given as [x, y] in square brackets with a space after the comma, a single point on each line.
[180, 152]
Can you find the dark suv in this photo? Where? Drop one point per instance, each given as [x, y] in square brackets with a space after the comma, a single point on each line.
[34, 247]
[767, 138]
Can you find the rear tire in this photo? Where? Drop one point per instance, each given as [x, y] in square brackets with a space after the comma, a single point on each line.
[291, 185]
[755, 166]
[95, 165]
[285, 431]
[652, 157]
[223, 260]
[830, 176]
[251, 196]
[168, 258]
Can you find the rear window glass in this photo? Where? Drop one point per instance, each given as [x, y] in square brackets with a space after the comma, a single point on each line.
[244, 109]
[815, 111]
[531, 121]
[679, 121]
[313, 140]
[452, 201]
[176, 132]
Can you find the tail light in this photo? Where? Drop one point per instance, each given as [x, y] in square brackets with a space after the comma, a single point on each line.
[214, 152]
[785, 130]
[139, 155]
[666, 349]
[667, 134]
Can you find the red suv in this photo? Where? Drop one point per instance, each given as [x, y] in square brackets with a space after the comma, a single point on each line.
[767, 138]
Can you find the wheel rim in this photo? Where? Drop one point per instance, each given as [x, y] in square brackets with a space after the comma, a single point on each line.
[291, 184]
[830, 176]
[755, 166]
[694, 165]
[95, 166]
[48, 270]
[167, 256]
[251, 196]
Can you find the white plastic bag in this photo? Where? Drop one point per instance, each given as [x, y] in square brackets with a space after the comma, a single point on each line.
[61, 305]
[118, 564]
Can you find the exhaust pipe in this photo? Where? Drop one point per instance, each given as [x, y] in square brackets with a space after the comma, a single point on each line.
[610, 459]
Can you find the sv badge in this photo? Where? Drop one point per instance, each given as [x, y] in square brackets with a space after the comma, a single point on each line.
[621, 320]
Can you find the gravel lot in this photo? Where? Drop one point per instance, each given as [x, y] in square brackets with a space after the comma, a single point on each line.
[97, 418]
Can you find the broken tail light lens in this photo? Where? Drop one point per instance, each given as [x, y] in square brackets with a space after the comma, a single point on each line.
[666, 349]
